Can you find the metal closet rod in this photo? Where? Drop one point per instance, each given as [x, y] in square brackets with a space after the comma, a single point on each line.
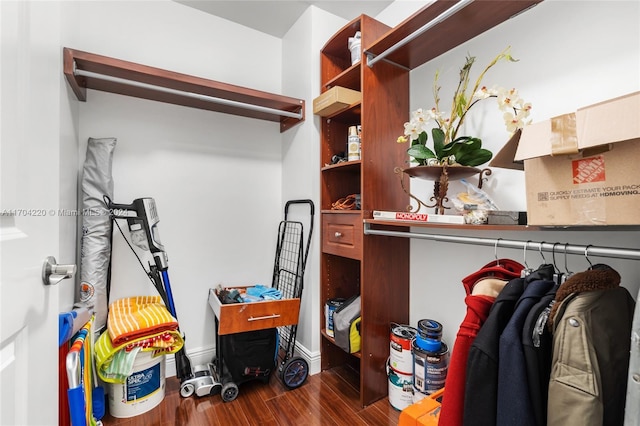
[372, 59]
[559, 248]
[212, 99]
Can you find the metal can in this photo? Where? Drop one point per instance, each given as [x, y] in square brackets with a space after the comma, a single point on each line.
[329, 309]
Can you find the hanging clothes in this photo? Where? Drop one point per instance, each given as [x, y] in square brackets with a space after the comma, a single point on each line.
[591, 323]
[537, 346]
[513, 401]
[481, 385]
[482, 288]
[632, 408]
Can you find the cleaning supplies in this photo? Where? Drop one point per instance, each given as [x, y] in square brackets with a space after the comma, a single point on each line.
[353, 144]
[354, 44]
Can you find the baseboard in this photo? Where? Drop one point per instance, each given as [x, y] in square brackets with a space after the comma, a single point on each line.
[199, 356]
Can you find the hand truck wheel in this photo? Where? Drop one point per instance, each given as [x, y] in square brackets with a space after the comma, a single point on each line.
[294, 372]
[187, 390]
[229, 392]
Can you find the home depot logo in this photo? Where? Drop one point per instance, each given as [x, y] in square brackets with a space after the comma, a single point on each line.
[588, 170]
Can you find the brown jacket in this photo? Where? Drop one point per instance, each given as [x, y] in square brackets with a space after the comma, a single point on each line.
[591, 323]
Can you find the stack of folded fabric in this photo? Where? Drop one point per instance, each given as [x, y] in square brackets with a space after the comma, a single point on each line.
[135, 324]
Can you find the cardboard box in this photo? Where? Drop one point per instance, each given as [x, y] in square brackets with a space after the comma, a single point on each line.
[335, 99]
[582, 168]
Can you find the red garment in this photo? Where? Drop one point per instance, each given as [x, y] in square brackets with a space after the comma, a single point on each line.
[478, 307]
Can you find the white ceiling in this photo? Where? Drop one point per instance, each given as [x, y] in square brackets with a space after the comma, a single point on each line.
[276, 17]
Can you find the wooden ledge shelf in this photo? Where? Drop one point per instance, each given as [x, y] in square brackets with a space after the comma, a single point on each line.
[90, 71]
[468, 227]
[474, 19]
[333, 341]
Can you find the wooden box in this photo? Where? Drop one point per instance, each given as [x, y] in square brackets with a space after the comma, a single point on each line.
[335, 99]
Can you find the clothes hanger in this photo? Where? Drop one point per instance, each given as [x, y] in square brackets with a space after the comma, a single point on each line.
[526, 270]
[567, 273]
[557, 275]
[586, 256]
[544, 260]
[495, 251]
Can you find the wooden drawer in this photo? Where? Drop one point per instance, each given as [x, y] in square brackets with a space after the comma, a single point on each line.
[240, 317]
[342, 234]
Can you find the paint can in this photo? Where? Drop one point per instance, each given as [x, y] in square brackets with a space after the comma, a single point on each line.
[430, 357]
[329, 308]
[142, 390]
[401, 358]
[400, 389]
[418, 396]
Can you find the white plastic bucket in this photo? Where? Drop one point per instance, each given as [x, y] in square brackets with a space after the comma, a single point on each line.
[142, 391]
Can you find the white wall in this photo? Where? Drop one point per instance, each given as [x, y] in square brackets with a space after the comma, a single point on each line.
[301, 156]
[216, 178]
[571, 54]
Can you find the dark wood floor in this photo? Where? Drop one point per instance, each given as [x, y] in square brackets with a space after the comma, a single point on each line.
[327, 398]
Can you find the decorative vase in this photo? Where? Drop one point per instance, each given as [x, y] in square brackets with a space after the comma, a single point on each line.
[441, 175]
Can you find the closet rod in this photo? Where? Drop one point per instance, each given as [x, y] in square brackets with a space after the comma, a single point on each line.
[558, 248]
[84, 73]
[372, 59]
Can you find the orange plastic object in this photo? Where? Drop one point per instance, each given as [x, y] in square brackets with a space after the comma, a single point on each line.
[425, 412]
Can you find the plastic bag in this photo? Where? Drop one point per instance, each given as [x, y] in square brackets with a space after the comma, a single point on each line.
[473, 204]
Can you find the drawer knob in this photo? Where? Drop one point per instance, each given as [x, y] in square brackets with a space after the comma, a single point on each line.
[338, 234]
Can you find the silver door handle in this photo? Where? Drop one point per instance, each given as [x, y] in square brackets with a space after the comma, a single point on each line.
[52, 273]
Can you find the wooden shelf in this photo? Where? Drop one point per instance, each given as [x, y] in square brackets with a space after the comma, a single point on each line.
[333, 341]
[407, 224]
[474, 19]
[182, 90]
[349, 78]
[354, 164]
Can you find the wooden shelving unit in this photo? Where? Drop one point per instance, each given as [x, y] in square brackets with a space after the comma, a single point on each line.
[474, 19]
[141, 81]
[377, 266]
[352, 263]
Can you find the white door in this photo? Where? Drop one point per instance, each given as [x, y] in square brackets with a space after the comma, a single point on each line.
[29, 197]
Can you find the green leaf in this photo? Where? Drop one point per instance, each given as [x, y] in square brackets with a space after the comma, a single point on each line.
[420, 152]
[462, 146]
[475, 157]
[475, 142]
[422, 138]
[438, 141]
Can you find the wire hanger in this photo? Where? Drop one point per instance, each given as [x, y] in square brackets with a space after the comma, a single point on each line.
[527, 270]
[567, 273]
[544, 260]
[557, 275]
[586, 256]
[495, 251]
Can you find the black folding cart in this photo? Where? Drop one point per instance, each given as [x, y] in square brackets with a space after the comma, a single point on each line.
[254, 338]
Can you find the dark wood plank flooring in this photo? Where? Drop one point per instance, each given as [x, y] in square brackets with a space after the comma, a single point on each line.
[327, 398]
